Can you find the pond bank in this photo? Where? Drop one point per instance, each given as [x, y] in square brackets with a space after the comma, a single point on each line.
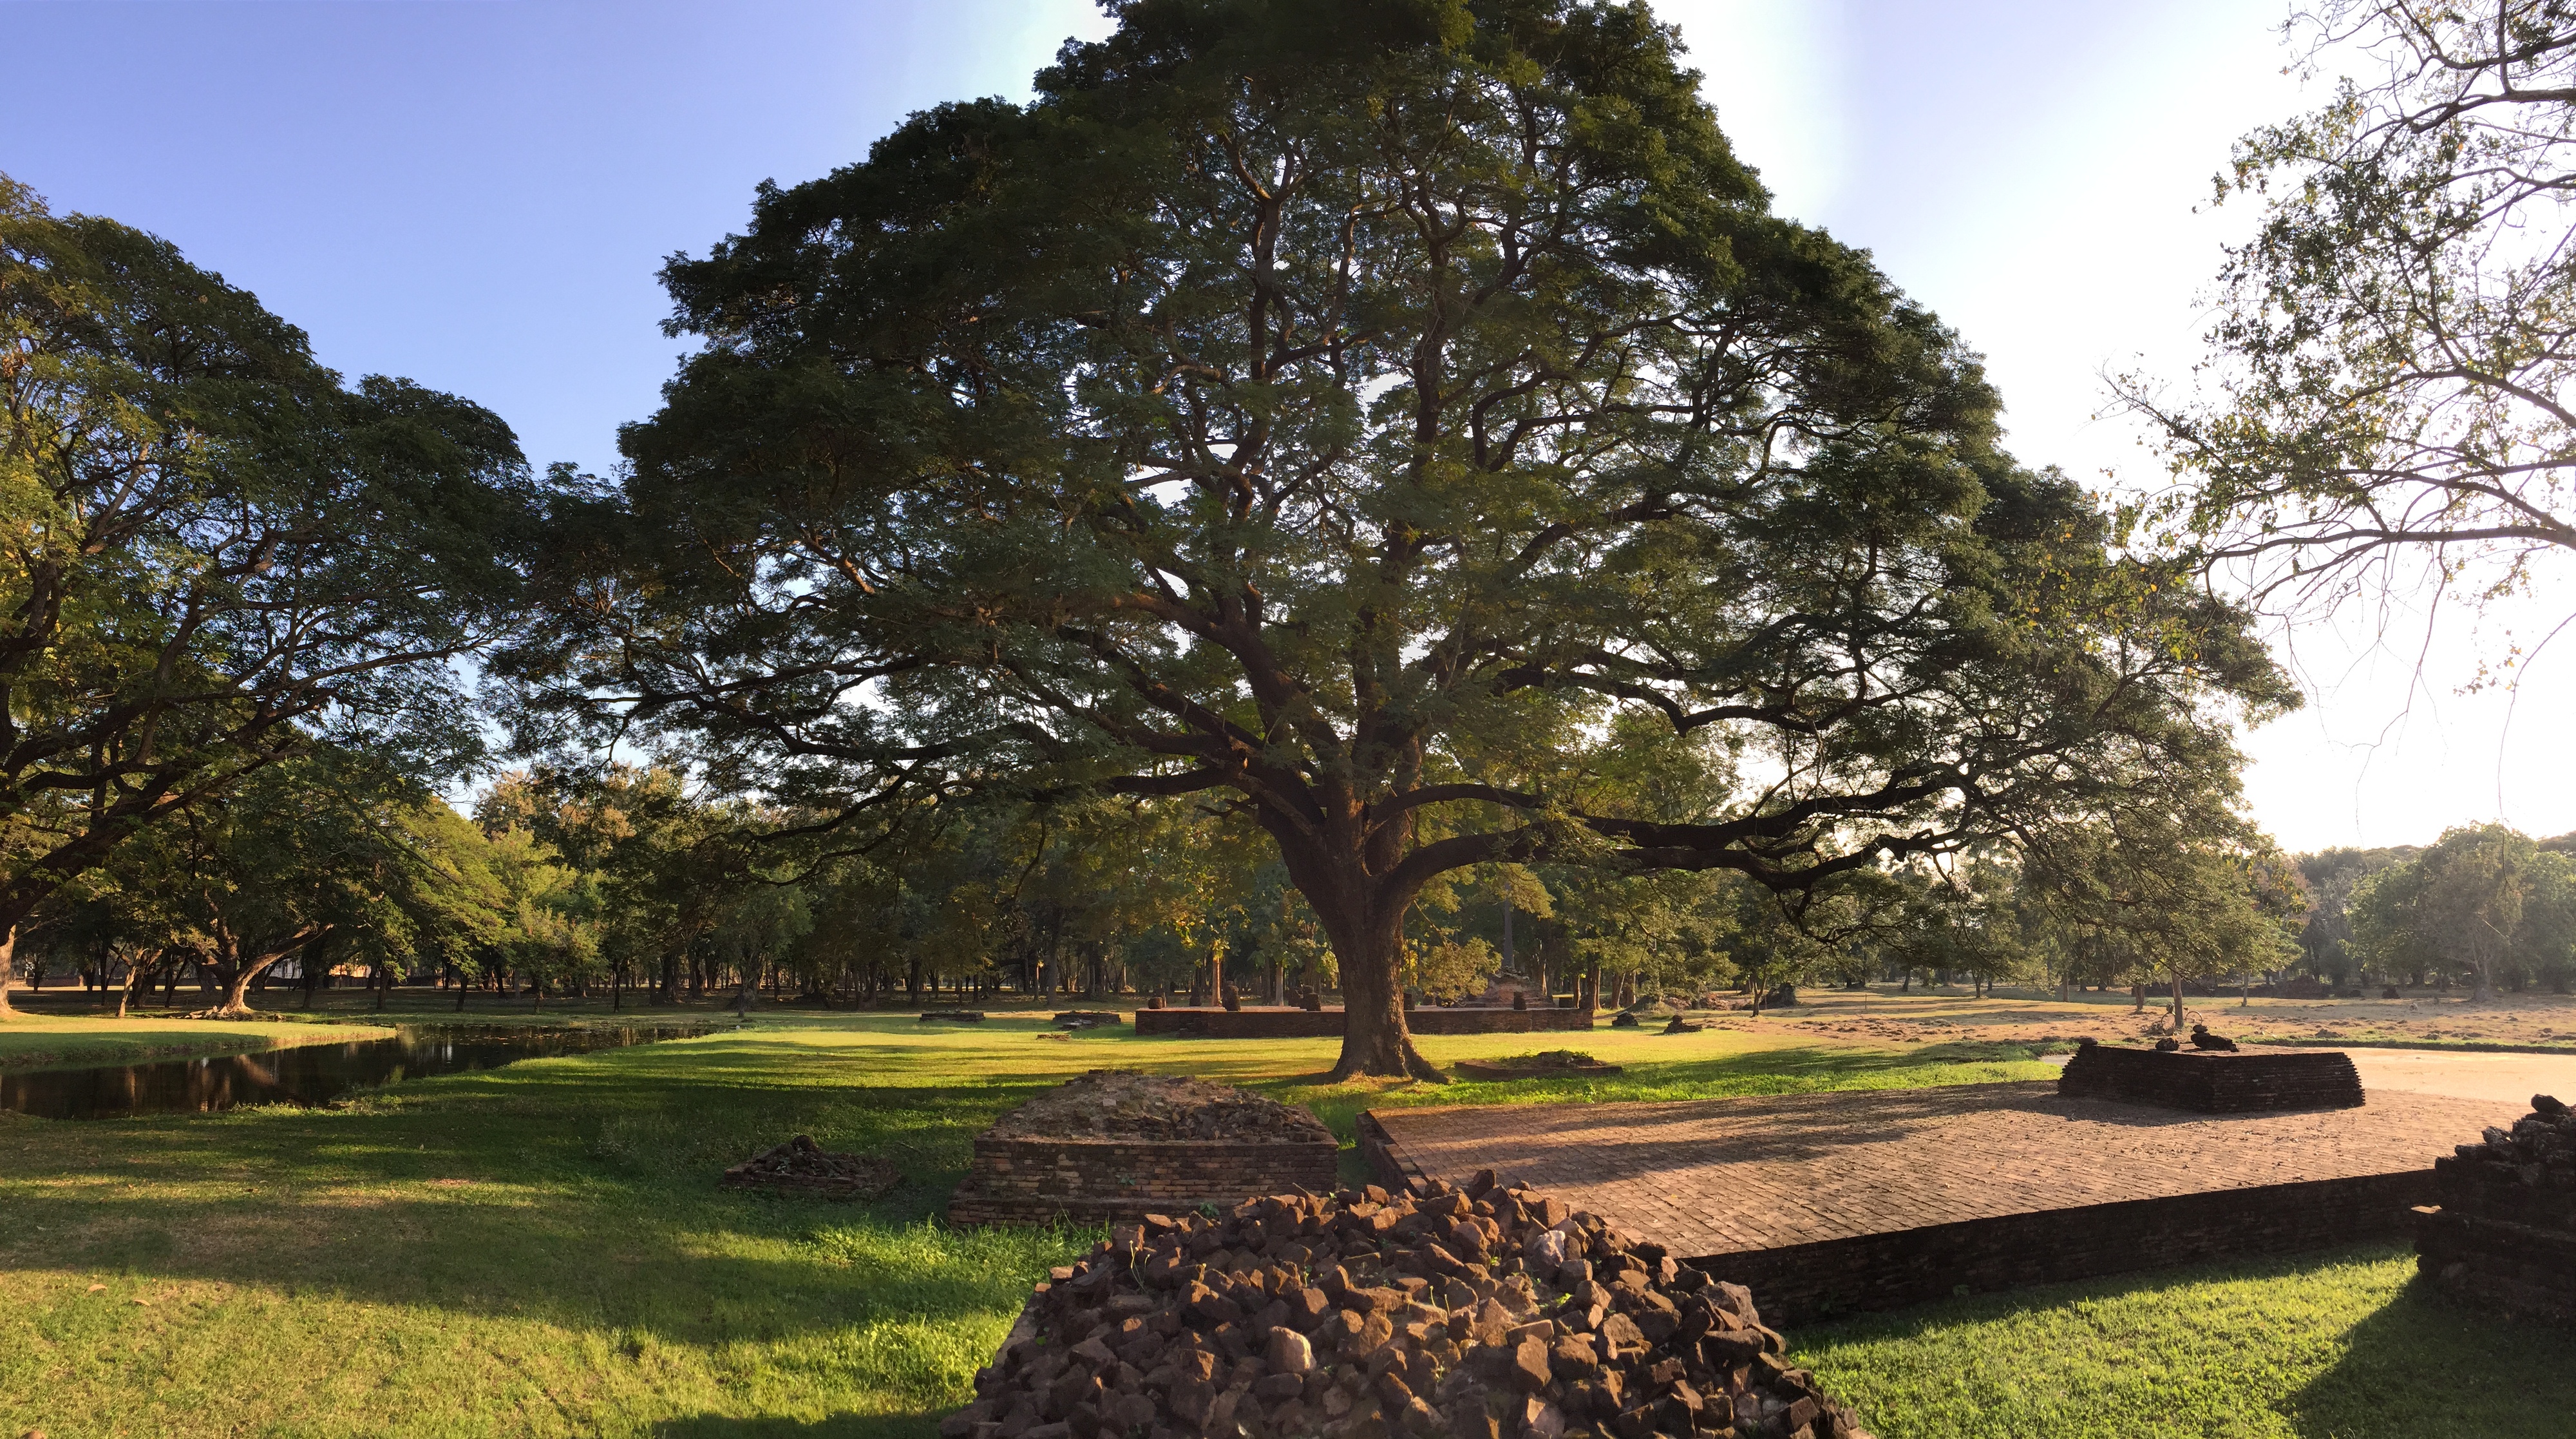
[51, 1041]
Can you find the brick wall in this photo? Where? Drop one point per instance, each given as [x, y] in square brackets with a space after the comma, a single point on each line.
[1266, 1023]
[1805, 1282]
[1028, 1181]
[2214, 1082]
[2499, 1241]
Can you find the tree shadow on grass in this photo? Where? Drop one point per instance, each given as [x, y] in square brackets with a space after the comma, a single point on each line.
[582, 1192]
[2416, 1365]
[2427, 1364]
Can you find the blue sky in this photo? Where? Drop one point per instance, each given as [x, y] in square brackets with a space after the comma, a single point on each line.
[476, 194]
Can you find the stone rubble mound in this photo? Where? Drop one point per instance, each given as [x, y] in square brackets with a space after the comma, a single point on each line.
[2539, 1150]
[2504, 1234]
[801, 1165]
[1491, 1312]
[1123, 1104]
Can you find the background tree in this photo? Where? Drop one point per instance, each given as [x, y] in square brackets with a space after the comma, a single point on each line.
[2330, 876]
[2198, 898]
[2484, 900]
[212, 552]
[2390, 373]
[1388, 420]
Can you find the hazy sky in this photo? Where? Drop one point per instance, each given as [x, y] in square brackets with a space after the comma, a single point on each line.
[476, 195]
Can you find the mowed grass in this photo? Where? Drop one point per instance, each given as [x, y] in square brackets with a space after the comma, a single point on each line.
[541, 1249]
[36, 1041]
[2342, 1345]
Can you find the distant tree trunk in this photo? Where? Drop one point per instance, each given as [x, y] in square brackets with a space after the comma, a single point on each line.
[617, 986]
[236, 1002]
[2177, 999]
[310, 968]
[8, 961]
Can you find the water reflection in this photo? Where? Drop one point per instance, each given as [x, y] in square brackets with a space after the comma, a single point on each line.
[304, 1074]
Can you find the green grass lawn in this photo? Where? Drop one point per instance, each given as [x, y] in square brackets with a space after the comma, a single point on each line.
[540, 1249]
[35, 1041]
[2340, 1345]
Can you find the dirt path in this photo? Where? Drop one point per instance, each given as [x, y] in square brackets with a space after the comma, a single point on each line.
[2513, 1077]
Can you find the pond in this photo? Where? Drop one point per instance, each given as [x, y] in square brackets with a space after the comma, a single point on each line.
[299, 1074]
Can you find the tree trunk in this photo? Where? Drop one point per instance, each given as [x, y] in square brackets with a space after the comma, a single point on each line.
[1375, 1038]
[2177, 998]
[236, 1003]
[8, 961]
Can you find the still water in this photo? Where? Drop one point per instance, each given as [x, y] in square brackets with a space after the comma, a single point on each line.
[302, 1074]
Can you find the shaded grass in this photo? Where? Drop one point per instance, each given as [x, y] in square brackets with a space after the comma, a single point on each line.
[2342, 1345]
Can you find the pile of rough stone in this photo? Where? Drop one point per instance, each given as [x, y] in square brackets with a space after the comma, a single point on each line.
[802, 1164]
[1490, 1312]
[2505, 1233]
[1123, 1104]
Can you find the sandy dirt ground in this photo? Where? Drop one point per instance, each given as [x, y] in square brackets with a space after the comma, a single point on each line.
[2512, 1078]
[1882, 1016]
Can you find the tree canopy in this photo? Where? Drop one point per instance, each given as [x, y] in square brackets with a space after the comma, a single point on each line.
[212, 551]
[1404, 424]
[2386, 404]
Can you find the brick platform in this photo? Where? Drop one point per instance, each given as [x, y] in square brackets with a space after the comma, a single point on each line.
[1265, 1022]
[2215, 1082]
[1032, 1181]
[1826, 1203]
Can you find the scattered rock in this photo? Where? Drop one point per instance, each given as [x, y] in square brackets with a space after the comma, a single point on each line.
[1492, 1311]
[1087, 1019]
[1548, 1064]
[2201, 1038]
[800, 1166]
[1123, 1104]
[957, 1016]
[2168, 1045]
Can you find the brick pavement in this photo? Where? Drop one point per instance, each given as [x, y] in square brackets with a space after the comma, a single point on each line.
[1725, 1176]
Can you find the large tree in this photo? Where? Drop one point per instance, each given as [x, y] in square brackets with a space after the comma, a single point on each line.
[212, 551]
[1388, 420]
